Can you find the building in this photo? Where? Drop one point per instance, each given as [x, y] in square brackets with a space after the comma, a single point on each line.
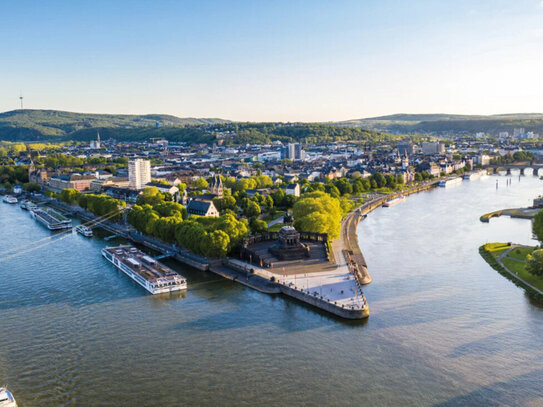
[216, 186]
[166, 188]
[58, 182]
[37, 175]
[405, 147]
[202, 208]
[293, 189]
[293, 151]
[95, 145]
[431, 148]
[139, 173]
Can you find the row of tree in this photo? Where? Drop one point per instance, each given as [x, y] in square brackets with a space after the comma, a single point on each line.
[99, 205]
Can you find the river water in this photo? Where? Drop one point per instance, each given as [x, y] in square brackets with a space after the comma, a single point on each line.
[445, 329]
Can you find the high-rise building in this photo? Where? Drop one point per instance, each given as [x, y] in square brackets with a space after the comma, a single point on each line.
[293, 151]
[139, 173]
[431, 148]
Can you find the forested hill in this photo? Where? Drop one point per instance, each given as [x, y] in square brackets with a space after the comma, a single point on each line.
[51, 124]
[450, 123]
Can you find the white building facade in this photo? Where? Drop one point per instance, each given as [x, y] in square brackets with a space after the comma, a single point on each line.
[139, 173]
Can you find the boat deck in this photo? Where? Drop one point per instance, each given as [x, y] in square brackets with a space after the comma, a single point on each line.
[142, 264]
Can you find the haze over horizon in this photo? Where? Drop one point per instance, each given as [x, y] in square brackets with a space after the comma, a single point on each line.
[287, 61]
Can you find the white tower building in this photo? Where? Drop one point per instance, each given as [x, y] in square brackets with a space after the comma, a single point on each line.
[139, 173]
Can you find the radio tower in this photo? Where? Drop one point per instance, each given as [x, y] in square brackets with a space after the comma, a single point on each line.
[21, 99]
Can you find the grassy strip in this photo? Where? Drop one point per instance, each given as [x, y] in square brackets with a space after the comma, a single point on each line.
[491, 260]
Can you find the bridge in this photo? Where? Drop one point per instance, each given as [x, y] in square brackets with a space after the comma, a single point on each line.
[495, 168]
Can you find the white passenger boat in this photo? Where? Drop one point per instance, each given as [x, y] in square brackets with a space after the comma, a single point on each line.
[475, 175]
[450, 182]
[10, 199]
[6, 398]
[84, 230]
[155, 277]
[51, 218]
[394, 201]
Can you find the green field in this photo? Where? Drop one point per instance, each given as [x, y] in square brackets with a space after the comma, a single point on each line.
[514, 261]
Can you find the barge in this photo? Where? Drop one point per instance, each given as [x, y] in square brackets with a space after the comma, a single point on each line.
[144, 270]
[475, 175]
[52, 219]
[394, 201]
[450, 182]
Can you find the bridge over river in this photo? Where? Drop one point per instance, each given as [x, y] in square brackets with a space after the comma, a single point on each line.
[515, 166]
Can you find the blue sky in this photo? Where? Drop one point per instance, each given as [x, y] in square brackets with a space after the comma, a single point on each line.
[273, 60]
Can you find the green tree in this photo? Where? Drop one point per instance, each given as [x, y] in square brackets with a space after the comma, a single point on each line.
[200, 183]
[534, 263]
[537, 226]
[318, 212]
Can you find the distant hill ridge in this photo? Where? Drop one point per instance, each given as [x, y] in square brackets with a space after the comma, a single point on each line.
[447, 123]
[30, 124]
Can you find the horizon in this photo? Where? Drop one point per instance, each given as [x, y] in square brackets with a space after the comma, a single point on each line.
[283, 62]
[276, 121]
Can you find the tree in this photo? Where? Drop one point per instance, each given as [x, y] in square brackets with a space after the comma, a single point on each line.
[534, 263]
[537, 226]
[217, 243]
[344, 186]
[150, 196]
[200, 183]
[70, 196]
[379, 179]
[390, 181]
[318, 212]
[418, 177]
[226, 202]
[251, 209]
[399, 179]
[31, 187]
[258, 226]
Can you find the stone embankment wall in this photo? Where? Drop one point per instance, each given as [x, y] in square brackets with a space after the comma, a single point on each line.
[327, 306]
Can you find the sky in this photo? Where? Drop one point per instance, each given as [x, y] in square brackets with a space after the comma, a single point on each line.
[295, 60]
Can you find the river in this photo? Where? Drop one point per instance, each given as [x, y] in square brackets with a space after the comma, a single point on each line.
[445, 329]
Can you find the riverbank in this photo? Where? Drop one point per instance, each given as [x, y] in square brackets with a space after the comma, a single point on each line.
[508, 260]
[521, 213]
[349, 226]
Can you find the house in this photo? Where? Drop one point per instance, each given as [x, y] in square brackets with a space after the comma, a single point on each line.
[293, 189]
[202, 208]
[126, 194]
[17, 189]
[166, 188]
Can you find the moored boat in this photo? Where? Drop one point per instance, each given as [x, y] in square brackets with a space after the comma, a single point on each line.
[51, 218]
[155, 277]
[394, 201]
[10, 199]
[84, 230]
[450, 182]
[6, 398]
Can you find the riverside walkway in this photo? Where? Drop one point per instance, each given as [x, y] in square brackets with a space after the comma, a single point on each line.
[347, 249]
[514, 275]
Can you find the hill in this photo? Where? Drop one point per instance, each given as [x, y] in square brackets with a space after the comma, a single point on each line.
[449, 123]
[50, 124]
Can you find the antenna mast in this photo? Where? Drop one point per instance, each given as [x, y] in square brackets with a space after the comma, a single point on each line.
[21, 98]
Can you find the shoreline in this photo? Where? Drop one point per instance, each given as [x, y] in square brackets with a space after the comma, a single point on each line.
[350, 223]
[497, 264]
[353, 255]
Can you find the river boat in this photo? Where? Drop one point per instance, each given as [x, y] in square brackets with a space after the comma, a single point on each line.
[394, 201]
[475, 175]
[51, 218]
[31, 206]
[24, 204]
[450, 182]
[152, 275]
[6, 398]
[10, 200]
[84, 230]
